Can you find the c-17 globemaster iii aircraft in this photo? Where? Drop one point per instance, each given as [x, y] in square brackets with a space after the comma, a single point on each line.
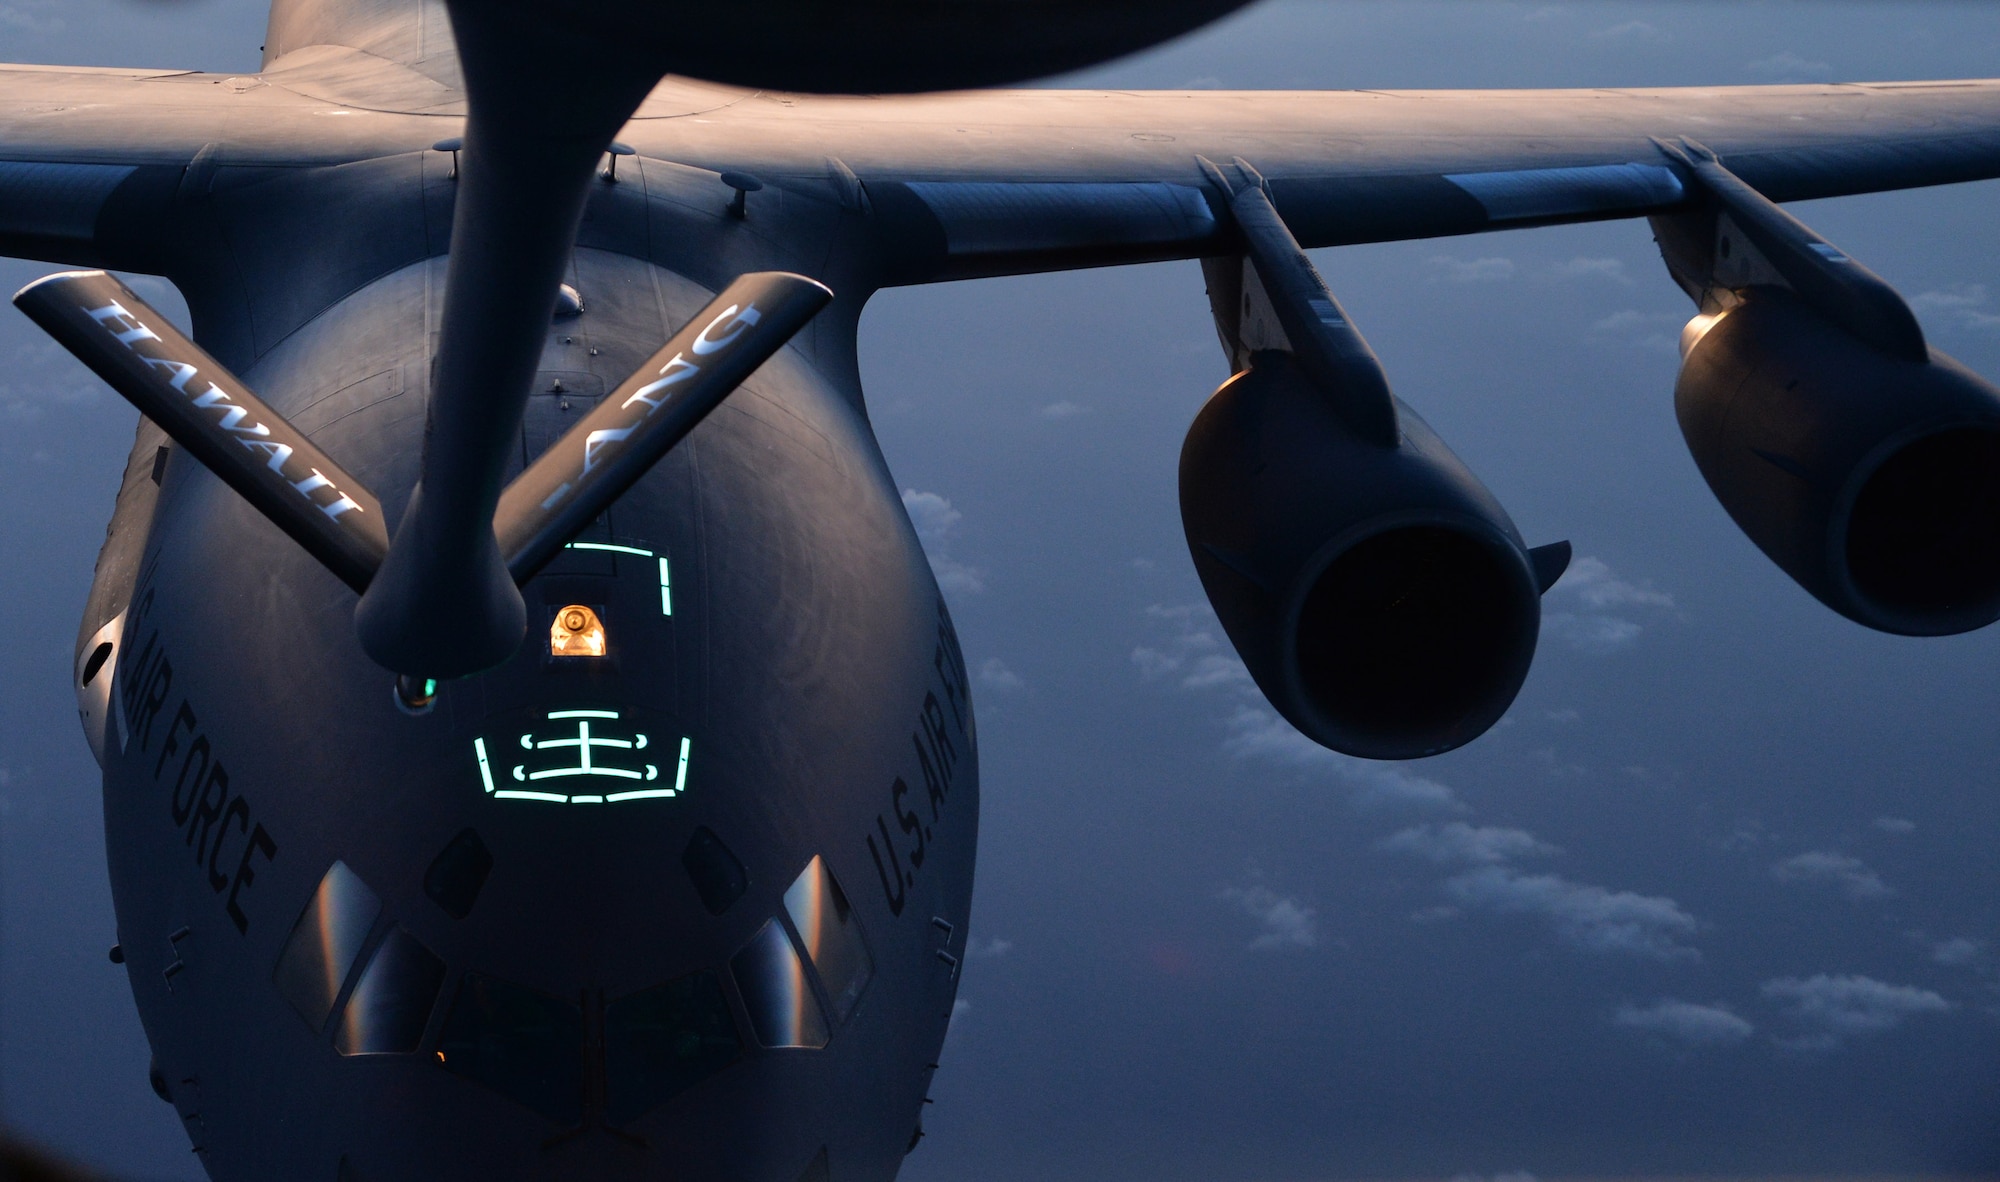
[534, 745]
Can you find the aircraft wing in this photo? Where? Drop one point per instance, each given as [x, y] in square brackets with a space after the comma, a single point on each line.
[997, 182]
[1000, 182]
[75, 140]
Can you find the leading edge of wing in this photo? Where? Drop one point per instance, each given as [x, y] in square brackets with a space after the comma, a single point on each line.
[1000, 182]
[988, 183]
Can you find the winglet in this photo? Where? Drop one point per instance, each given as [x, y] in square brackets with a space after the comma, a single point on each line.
[207, 410]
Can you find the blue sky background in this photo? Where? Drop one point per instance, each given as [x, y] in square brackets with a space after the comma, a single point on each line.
[1718, 897]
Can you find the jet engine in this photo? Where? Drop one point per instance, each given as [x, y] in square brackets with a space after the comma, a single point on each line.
[1380, 596]
[1872, 480]
[1376, 591]
[1865, 463]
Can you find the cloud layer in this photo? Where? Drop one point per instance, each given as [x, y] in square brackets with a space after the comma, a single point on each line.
[935, 521]
[1685, 1022]
[1457, 843]
[1284, 922]
[1851, 876]
[1832, 1009]
[1590, 608]
[1584, 916]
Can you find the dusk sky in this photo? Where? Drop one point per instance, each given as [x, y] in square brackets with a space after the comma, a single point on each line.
[1719, 896]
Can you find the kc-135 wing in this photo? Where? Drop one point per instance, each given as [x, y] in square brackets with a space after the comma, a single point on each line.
[995, 182]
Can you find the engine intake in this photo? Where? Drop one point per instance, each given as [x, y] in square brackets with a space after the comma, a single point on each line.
[1872, 480]
[1380, 596]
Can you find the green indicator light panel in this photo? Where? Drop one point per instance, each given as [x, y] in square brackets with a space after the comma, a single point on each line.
[558, 761]
[666, 584]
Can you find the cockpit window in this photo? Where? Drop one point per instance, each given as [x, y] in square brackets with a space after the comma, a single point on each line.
[832, 936]
[321, 950]
[391, 1003]
[772, 980]
[525, 1045]
[717, 873]
[456, 875]
[659, 1043]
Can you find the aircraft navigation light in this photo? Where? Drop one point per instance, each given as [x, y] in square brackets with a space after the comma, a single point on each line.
[577, 632]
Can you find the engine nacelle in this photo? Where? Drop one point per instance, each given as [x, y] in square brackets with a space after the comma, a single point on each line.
[1873, 481]
[1379, 595]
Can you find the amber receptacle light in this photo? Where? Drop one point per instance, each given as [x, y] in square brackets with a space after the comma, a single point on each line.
[576, 632]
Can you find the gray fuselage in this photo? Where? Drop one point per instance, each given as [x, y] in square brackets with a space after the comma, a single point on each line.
[336, 981]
